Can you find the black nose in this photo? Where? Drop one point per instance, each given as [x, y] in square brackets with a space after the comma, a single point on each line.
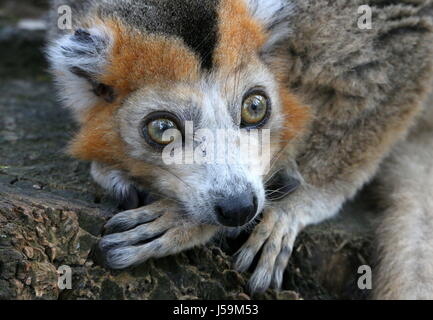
[235, 211]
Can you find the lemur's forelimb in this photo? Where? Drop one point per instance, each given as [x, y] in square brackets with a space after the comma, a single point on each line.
[404, 235]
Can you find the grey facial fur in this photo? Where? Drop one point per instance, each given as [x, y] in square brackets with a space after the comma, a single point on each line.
[209, 105]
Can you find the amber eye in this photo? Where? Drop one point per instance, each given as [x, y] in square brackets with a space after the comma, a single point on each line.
[255, 110]
[155, 126]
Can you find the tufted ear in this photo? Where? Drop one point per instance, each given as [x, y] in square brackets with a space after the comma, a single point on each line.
[77, 61]
[275, 16]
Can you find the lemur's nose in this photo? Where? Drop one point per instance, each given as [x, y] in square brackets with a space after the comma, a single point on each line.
[237, 210]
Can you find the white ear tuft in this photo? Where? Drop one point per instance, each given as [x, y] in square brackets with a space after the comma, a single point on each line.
[76, 62]
[275, 16]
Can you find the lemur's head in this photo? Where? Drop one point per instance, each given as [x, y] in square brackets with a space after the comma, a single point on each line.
[132, 70]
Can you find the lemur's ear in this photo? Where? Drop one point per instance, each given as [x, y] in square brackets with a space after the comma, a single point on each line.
[77, 61]
[275, 16]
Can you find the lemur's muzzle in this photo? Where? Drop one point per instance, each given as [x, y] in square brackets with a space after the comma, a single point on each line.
[237, 210]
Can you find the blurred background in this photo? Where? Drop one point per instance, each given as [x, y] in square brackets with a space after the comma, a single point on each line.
[34, 128]
[17, 9]
[22, 30]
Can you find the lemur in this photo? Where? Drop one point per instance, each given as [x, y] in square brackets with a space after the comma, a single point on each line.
[340, 103]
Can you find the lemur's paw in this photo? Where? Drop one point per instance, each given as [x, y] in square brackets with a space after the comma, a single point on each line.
[152, 231]
[275, 235]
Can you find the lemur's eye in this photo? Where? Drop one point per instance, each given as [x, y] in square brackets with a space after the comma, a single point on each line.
[255, 110]
[155, 125]
[157, 128]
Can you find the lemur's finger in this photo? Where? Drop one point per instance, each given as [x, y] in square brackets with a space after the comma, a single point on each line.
[262, 276]
[135, 236]
[130, 219]
[258, 237]
[124, 257]
[282, 260]
[173, 241]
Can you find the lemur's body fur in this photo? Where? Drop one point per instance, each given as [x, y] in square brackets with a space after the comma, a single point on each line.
[365, 90]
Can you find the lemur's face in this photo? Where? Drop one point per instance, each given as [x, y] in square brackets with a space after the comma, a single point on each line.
[229, 191]
[144, 85]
